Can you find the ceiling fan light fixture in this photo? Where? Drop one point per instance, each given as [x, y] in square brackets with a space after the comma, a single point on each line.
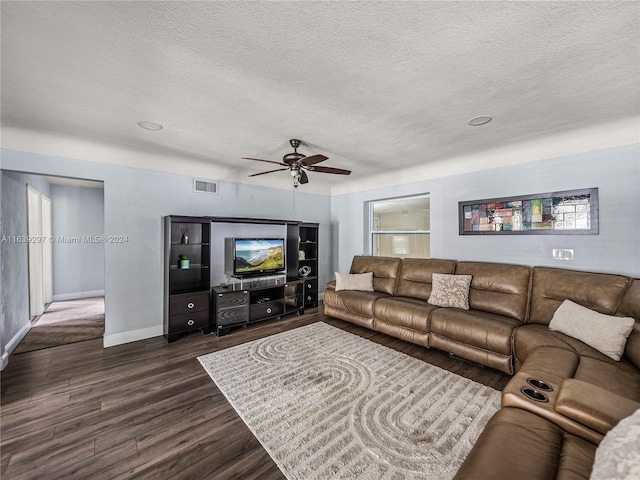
[479, 120]
[292, 157]
[297, 163]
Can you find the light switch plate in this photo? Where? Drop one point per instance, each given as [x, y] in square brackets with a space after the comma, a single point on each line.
[562, 253]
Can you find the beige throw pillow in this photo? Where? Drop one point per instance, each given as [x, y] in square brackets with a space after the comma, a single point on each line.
[450, 290]
[354, 281]
[605, 333]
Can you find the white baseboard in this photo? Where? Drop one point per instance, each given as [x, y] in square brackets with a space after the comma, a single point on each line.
[13, 343]
[131, 336]
[78, 295]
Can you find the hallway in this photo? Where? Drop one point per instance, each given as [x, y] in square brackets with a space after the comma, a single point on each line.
[65, 322]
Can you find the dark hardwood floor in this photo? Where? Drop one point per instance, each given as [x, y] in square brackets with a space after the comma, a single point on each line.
[148, 409]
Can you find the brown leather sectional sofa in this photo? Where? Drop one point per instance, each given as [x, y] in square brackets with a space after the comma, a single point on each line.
[585, 393]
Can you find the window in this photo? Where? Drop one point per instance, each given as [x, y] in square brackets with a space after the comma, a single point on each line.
[400, 227]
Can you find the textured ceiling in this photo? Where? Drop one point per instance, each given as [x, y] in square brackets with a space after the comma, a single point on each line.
[375, 86]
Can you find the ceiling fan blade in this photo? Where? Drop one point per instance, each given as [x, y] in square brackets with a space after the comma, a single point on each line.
[338, 171]
[303, 177]
[270, 171]
[313, 159]
[267, 161]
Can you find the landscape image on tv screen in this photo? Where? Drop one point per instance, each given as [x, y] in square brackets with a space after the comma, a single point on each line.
[258, 256]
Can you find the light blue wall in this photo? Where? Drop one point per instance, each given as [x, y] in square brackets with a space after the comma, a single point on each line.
[223, 230]
[135, 201]
[616, 172]
[78, 268]
[14, 257]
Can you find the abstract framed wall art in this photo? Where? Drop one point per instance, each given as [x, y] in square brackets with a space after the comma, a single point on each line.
[572, 212]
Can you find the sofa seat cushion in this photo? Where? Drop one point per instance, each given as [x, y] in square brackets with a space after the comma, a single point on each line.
[483, 330]
[621, 378]
[595, 407]
[520, 444]
[404, 311]
[531, 336]
[419, 337]
[354, 301]
[537, 345]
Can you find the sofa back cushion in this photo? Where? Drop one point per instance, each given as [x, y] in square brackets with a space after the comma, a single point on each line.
[498, 288]
[552, 286]
[416, 274]
[385, 271]
[630, 307]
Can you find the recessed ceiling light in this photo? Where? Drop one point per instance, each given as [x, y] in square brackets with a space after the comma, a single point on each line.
[479, 120]
[149, 125]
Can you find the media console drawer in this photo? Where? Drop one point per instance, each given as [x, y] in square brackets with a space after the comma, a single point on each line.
[266, 309]
[189, 321]
[311, 292]
[188, 303]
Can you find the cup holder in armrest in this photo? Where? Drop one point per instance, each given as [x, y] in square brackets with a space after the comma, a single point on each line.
[539, 385]
[534, 395]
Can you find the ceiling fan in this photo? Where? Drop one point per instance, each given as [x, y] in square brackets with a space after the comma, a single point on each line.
[298, 164]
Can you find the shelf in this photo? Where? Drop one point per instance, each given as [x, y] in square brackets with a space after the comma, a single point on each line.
[180, 291]
[193, 266]
[189, 244]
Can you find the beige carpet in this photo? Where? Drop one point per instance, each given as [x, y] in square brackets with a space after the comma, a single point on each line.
[65, 322]
[327, 404]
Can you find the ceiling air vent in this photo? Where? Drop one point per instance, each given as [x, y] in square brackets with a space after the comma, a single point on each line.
[205, 186]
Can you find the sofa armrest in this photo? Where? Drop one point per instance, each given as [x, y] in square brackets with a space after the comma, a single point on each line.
[593, 406]
[331, 285]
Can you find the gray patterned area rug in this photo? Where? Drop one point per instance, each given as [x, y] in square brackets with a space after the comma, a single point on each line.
[328, 404]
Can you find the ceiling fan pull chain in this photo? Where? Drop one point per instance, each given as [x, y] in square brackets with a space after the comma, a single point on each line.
[295, 187]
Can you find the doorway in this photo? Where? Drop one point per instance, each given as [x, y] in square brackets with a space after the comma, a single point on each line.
[39, 251]
[65, 263]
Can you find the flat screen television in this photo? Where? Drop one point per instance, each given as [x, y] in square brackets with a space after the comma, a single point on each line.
[256, 256]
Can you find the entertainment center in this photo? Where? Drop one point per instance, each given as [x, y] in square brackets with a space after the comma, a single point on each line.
[265, 276]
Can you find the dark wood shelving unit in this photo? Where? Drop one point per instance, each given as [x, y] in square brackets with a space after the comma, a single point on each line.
[192, 303]
[186, 289]
[303, 238]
